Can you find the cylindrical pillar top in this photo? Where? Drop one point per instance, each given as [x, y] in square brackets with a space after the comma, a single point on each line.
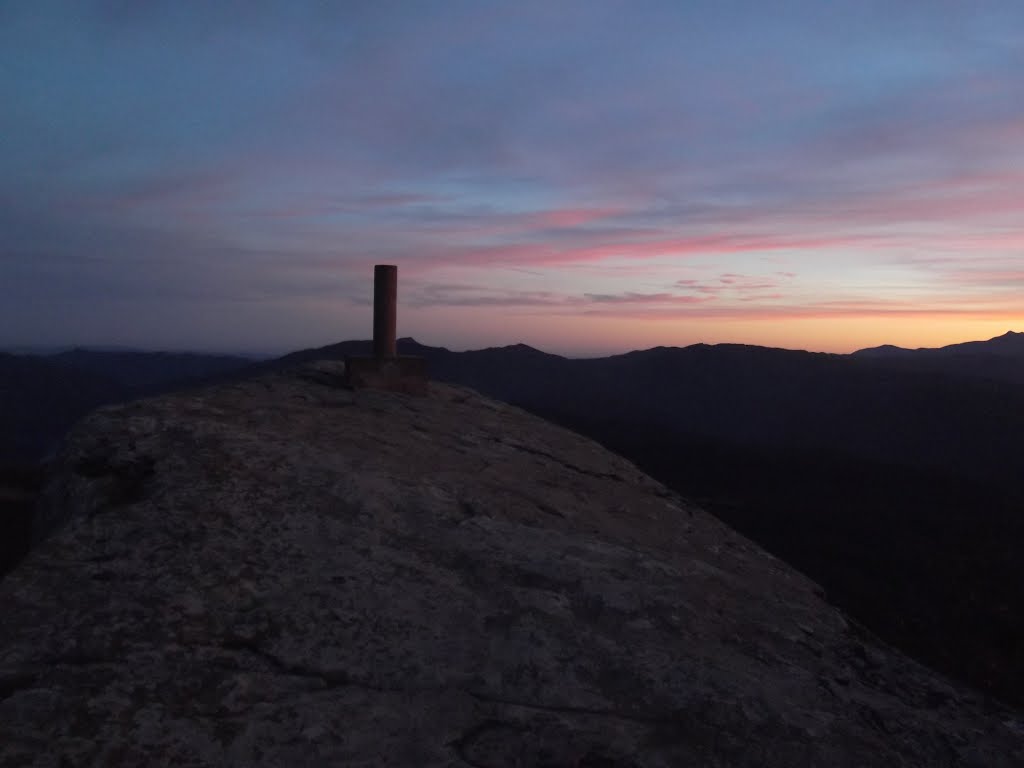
[385, 310]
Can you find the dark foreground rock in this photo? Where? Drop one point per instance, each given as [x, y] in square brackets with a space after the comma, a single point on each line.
[19, 487]
[283, 572]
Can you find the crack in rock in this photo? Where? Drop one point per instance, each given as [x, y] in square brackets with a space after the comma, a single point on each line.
[562, 462]
[12, 683]
[330, 678]
[561, 709]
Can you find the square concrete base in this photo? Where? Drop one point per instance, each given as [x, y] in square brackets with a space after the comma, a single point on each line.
[395, 374]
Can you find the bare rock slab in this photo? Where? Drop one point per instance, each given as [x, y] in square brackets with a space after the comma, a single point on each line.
[286, 572]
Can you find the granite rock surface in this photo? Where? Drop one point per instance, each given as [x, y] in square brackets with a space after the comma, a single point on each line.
[284, 572]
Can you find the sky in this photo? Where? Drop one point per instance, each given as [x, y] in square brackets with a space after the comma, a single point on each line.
[587, 177]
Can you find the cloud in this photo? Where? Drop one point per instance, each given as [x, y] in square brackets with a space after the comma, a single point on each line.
[849, 310]
[586, 250]
[573, 158]
[461, 295]
[732, 286]
[659, 299]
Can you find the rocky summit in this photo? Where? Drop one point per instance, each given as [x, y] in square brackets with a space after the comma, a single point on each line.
[284, 572]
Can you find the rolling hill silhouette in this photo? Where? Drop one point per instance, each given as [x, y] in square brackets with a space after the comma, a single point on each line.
[963, 419]
[1000, 358]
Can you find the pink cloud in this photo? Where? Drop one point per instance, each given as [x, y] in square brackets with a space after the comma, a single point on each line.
[552, 254]
[1010, 279]
[747, 287]
[970, 200]
[806, 311]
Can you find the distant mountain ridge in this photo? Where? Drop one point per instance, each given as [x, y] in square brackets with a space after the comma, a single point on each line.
[1010, 344]
[783, 399]
[998, 359]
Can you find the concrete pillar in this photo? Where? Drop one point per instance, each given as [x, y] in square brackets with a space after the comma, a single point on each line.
[385, 304]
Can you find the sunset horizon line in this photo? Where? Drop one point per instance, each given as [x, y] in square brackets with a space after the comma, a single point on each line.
[266, 354]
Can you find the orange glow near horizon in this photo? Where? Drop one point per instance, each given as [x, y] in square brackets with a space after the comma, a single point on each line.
[583, 335]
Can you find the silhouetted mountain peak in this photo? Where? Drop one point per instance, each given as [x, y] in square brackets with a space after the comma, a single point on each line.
[1010, 343]
[516, 352]
[521, 348]
[885, 350]
[1010, 337]
[407, 345]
